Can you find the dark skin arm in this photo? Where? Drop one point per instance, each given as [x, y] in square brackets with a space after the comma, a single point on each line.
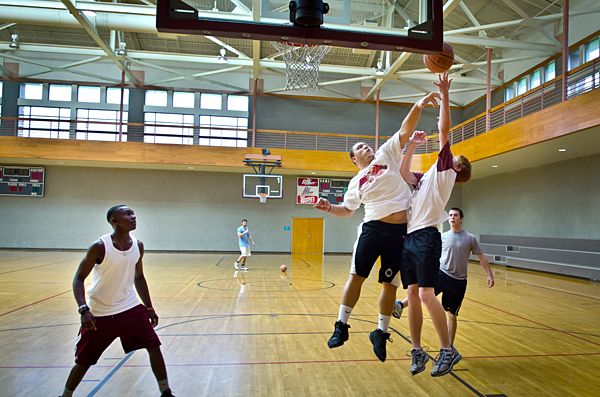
[95, 254]
[141, 286]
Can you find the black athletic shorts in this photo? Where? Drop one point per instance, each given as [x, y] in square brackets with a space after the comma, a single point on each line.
[421, 258]
[379, 239]
[452, 290]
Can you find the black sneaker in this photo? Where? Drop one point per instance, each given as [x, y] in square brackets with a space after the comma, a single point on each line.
[419, 359]
[167, 393]
[340, 335]
[445, 361]
[378, 338]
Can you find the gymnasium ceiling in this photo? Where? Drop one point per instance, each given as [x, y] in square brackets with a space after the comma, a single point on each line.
[55, 47]
[518, 30]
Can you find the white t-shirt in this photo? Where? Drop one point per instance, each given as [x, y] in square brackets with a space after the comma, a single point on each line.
[112, 289]
[380, 186]
[432, 192]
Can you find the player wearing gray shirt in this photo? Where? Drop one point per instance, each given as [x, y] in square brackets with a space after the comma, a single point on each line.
[457, 246]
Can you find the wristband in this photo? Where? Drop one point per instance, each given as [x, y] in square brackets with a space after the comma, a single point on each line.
[149, 309]
[329, 207]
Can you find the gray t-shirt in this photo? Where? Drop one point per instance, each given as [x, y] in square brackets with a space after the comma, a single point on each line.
[456, 250]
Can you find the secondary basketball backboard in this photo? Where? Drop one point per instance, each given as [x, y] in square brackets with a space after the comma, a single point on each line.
[254, 184]
[364, 24]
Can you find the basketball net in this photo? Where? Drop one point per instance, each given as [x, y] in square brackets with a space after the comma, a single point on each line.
[262, 197]
[302, 63]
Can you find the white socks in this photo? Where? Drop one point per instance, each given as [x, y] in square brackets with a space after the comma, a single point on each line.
[384, 322]
[345, 314]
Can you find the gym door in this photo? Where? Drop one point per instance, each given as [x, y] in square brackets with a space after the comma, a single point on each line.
[307, 236]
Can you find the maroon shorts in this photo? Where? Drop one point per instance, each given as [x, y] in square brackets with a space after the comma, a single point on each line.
[132, 326]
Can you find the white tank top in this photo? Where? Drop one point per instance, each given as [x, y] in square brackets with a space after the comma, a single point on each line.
[112, 290]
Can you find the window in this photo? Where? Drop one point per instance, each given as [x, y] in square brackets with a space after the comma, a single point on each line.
[88, 94]
[183, 100]
[237, 102]
[574, 59]
[592, 50]
[31, 91]
[510, 92]
[224, 131]
[169, 128]
[106, 130]
[59, 93]
[210, 101]
[550, 71]
[156, 98]
[522, 86]
[113, 95]
[536, 79]
[47, 127]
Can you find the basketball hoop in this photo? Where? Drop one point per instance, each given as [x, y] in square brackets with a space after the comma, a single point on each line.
[301, 64]
[263, 197]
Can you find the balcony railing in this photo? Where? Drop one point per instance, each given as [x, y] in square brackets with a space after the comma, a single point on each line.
[579, 81]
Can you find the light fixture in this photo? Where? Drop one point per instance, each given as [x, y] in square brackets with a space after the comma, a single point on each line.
[191, 168]
[379, 71]
[494, 166]
[562, 150]
[313, 173]
[89, 13]
[122, 51]
[15, 41]
[221, 58]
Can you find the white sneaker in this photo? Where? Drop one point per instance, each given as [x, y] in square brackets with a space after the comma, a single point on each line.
[398, 307]
[244, 268]
[235, 264]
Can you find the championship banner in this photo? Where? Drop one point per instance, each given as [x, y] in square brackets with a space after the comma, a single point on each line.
[308, 191]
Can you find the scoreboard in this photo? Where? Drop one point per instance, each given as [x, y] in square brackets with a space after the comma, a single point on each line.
[311, 189]
[333, 189]
[22, 181]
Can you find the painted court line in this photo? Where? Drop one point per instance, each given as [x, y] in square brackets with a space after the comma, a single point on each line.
[535, 322]
[35, 303]
[122, 364]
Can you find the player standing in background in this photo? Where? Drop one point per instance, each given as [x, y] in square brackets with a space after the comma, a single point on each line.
[243, 235]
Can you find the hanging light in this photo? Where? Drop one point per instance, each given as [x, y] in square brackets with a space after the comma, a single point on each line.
[15, 41]
[122, 51]
[221, 58]
[379, 71]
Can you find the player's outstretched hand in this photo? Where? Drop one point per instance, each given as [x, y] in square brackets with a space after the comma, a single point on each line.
[322, 205]
[444, 84]
[153, 318]
[429, 98]
[418, 138]
[490, 281]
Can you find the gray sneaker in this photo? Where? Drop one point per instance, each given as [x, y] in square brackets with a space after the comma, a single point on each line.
[398, 307]
[419, 359]
[445, 361]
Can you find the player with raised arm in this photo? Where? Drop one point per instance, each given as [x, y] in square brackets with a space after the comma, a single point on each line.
[422, 245]
[114, 311]
[457, 247]
[380, 187]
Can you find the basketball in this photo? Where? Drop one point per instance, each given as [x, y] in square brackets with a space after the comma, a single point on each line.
[439, 63]
[283, 268]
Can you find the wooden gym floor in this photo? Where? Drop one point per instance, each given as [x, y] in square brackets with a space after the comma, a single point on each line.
[264, 333]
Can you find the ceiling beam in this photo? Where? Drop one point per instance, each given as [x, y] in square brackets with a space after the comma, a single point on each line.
[474, 21]
[532, 22]
[389, 74]
[501, 43]
[91, 30]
